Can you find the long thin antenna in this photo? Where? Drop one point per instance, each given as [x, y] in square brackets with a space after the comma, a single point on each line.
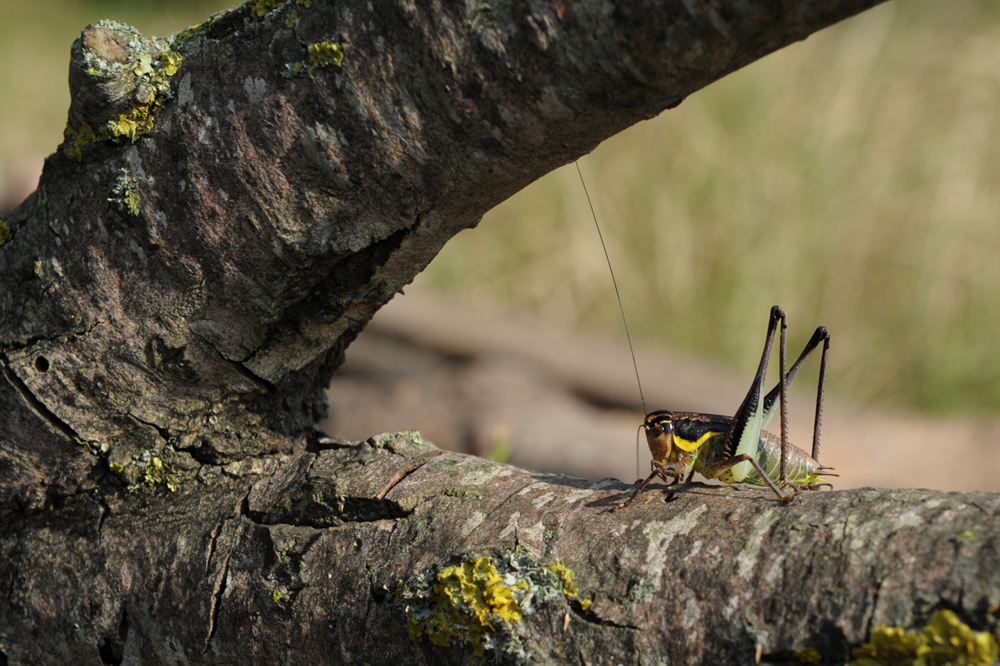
[621, 307]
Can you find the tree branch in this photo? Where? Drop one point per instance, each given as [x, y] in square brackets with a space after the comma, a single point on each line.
[332, 556]
[229, 208]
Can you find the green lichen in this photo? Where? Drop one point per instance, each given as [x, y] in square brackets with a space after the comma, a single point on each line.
[126, 195]
[944, 641]
[185, 35]
[157, 473]
[263, 7]
[807, 655]
[480, 601]
[6, 233]
[78, 138]
[290, 20]
[318, 55]
[324, 54]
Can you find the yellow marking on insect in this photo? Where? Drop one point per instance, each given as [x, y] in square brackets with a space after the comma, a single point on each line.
[688, 445]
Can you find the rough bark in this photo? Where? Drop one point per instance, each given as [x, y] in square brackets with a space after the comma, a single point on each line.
[229, 208]
[308, 558]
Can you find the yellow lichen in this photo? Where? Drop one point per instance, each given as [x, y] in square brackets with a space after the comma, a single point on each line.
[169, 62]
[135, 123]
[480, 601]
[6, 234]
[944, 641]
[468, 597]
[145, 66]
[566, 576]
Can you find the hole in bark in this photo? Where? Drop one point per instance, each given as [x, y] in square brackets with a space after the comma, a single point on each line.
[112, 648]
[41, 364]
[110, 653]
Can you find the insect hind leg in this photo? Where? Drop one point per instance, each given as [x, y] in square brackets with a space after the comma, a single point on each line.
[747, 423]
[818, 336]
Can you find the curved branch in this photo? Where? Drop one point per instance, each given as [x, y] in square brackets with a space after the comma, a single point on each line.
[231, 205]
[229, 208]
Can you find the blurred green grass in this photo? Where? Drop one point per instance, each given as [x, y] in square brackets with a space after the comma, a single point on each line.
[853, 178]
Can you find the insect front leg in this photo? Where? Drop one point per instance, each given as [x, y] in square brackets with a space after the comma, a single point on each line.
[675, 470]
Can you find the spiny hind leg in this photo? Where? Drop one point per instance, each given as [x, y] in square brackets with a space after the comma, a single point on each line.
[818, 336]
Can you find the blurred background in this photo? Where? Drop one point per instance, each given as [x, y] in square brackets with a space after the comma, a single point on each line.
[853, 178]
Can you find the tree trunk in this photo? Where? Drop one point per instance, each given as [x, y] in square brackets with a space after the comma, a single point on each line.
[229, 208]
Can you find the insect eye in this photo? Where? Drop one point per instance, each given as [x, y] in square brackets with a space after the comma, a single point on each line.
[660, 428]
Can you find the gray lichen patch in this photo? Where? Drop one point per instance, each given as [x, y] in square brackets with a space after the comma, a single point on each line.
[126, 195]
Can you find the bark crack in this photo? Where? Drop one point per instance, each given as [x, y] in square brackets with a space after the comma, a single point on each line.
[161, 431]
[590, 617]
[219, 587]
[35, 404]
[213, 542]
[240, 367]
[403, 474]
[247, 373]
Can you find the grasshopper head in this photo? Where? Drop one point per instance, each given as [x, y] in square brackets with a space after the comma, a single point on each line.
[659, 427]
